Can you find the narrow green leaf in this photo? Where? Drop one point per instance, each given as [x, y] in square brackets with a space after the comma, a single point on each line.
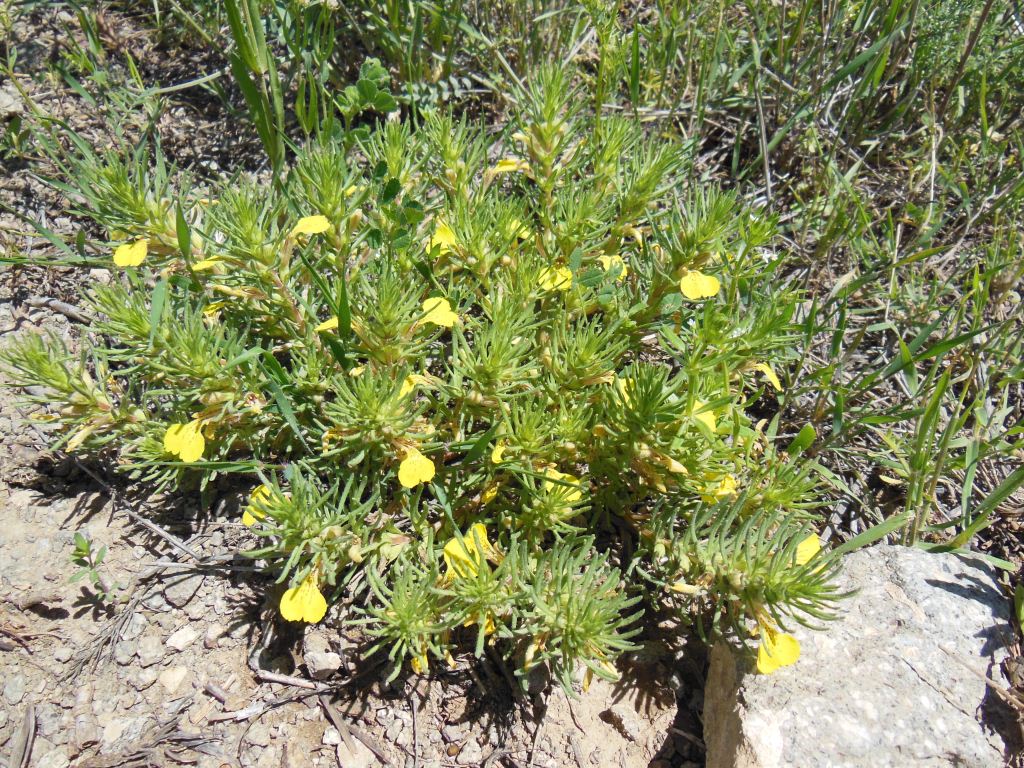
[802, 441]
[184, 234]
[156, 309]
[481, 444]
[873, 534]
[985, 510]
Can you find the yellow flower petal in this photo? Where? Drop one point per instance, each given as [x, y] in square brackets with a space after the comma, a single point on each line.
[487, 623]
[572, 494]
[205, 264]
[310, 225]
[443, 239]
[769, 373]
[705, 417]
[304, 602]
[253, 513]
[464, 557]
[407, 386]
[489, 494]
[517, 229]
[439, 312]
[720, 488]
[509, 165]
[420, 664]
[211, 310]
[625, 385]
[496, 454]
[696, 285]
[330, 324]
[131, 254]
[415, 469]
[186, 441]
[555, 279]
[807, 549]
[613, 262]
[777, 650]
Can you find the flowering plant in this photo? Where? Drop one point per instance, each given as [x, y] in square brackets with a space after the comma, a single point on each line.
[512, 401]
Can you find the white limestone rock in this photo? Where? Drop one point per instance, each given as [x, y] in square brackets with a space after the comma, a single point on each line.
[897, 680]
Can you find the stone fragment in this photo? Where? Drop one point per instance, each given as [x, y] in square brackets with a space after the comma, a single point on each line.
[11, 104]
[259, 734]
[145, 678]
[454, 731]
[470, 754]
[124, 651]
[625, 718]
[172, 678]
[14, 688]
[898, 679]
[211, 639]
[55, 758]
[151, 650]
[182, 589]
[359, 756]
[135, 626]
[182, 638]
[322, 665]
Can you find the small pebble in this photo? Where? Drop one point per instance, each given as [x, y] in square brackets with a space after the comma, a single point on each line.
[182, 638]
[14, 688]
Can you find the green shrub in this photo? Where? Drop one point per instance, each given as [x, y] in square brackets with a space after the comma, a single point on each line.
[507, 396]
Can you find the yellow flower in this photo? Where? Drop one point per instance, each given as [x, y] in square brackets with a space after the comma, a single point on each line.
[489, 494]
[555, 279]
[415, 469]
[185, 440]
[463, 557]
[606, 666]
[487, 623]
[625, 385]
[807, 549]
[443, 239]
[498, 452]
[614, 262]
[696, 285]
[769, 373]
[304, 602]
[420, 664]
[410, 383]
[252, 513]
[331, 324]
[704, 415]
[131, 254]
[439, 312]
[213, 309]
[509, 165]
[205, 264]
[517, 229]
[561, 478]
[777, 650]
[310, 225]
[719, 488]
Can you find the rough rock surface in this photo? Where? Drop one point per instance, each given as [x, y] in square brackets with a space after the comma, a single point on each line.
[898, 680]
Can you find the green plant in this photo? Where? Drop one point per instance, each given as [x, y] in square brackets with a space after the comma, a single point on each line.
[89, 561]
[510, 401]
